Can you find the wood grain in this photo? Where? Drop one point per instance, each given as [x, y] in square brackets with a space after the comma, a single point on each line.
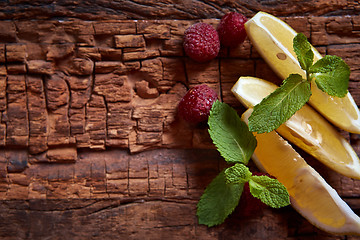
[163, 9]
[80, 84]
[151, 195]
[91, 145]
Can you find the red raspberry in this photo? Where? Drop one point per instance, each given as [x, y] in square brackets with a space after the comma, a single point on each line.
[201, 42]
[195, 106]
[231, 29]
[249, 205]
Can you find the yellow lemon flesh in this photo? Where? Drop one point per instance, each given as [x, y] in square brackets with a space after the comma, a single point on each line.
[309, 193]
[273, 39]
[306, 128]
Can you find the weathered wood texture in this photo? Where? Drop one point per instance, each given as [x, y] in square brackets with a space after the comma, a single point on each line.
[80, 84]
[77, 96]
[164, 9]
[148, 195]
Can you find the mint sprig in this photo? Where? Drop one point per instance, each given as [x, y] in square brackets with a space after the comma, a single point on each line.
[218, 201]
[303, 51]
[230, 135]
[270, 191]
[236, 144]
[280, 105]
[330, 73]
[238, 173]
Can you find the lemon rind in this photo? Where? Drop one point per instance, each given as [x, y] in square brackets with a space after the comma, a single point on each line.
[351, 170]
[352, 123]
[351, 224]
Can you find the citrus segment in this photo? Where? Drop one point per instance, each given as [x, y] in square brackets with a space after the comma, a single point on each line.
[273, 39]
[306, 128]
[309, 193]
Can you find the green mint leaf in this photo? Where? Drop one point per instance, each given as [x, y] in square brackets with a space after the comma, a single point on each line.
[280, 105]
[331, 75]
[230, 134]
[218, 201]
[303, 51]
[238, 173]
[270, 191]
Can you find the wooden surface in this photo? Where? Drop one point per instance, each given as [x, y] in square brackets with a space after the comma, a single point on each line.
[91, 146]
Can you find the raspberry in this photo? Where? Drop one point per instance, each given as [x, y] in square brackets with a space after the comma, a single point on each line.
[249, 205]
[201, 42]
[195, 106]
[231, 29]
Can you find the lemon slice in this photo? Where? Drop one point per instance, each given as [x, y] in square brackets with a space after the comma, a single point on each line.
[306, 128]
[273, 39]
[309, 193]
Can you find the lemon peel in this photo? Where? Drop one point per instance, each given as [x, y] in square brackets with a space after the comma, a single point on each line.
[310, 194]
[273, 39]
[306, 128]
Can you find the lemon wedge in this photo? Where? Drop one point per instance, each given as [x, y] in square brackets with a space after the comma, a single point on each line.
[273, 39]
[309, 193]
[306, 128]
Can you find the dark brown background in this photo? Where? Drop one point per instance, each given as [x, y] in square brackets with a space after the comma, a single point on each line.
[91, 147]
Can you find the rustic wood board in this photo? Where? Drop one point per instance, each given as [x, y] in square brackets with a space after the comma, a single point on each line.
[91, 146]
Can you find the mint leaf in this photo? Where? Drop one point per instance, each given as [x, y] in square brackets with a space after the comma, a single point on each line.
[238, 173]
[218, 201]
[303, 51]
[280, 105]
[230, 134]
[270, 191]
[331, 75]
